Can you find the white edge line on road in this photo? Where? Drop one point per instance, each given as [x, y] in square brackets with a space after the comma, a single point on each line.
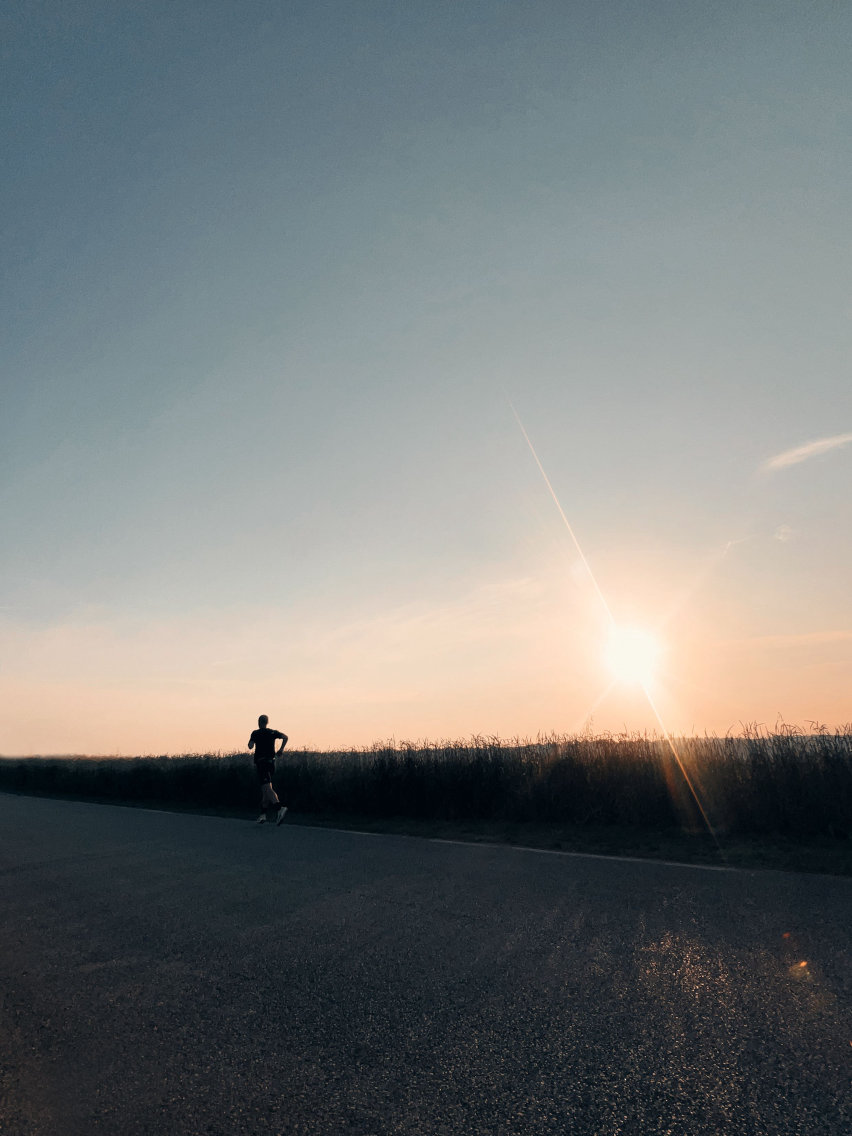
[537, 851]
[446, 840]
[464, 843]
[578, 855]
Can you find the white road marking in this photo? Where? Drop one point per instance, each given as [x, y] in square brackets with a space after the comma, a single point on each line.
[580, 855]
[440, 839]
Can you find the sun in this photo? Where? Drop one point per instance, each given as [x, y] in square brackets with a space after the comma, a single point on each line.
[632, 655]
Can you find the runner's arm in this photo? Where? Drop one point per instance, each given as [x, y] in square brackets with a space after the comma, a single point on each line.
[284, 740]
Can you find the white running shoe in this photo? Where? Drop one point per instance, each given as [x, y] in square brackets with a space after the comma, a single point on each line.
[261, 819]
[281, 814]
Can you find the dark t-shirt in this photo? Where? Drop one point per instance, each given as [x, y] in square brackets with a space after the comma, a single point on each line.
[263, 740]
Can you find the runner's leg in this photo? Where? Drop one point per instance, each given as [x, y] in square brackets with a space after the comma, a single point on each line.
[264, 776]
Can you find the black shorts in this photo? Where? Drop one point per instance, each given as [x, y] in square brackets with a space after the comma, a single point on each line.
[265, 770]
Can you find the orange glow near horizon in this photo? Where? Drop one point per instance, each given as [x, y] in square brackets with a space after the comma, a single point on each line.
[515, 652]
[513, 656]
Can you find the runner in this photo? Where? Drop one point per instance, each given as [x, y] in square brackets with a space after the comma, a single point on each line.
[262, 741]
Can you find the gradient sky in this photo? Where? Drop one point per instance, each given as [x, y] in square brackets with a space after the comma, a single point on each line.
[274, 275]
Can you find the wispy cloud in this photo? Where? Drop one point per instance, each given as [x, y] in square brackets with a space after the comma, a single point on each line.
[808, 450]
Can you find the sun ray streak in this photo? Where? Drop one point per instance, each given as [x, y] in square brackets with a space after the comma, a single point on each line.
[702, 576]
[588, 714]
[567, 523]
[686, 777]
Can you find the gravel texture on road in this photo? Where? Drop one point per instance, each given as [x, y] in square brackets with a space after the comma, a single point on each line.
[182, 974]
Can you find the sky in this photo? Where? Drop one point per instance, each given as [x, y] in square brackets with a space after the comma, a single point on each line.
[306, 308]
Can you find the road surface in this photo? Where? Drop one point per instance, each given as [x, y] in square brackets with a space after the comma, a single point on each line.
[173, 974]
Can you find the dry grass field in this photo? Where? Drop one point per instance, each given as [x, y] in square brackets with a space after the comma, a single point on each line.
[603, 792]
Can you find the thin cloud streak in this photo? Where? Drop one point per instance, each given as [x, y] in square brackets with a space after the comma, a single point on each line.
[808, 450]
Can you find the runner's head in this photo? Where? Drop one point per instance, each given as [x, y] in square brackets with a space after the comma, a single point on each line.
[262, 720]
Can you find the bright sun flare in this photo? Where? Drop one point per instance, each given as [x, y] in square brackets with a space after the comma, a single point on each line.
[632, 655]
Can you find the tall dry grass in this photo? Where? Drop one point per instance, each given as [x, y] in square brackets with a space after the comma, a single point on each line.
[786, 782]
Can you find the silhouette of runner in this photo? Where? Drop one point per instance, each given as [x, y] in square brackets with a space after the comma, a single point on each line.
[262, 741]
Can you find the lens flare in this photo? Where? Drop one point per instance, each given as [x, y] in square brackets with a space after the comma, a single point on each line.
[633, 654]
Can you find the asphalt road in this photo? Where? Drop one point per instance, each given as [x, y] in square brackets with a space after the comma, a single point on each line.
[173, 974]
